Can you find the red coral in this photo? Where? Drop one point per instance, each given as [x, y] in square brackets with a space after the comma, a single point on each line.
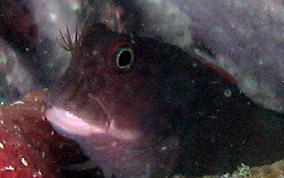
[28, 145]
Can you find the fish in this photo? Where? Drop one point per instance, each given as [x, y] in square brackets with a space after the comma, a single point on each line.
[141, 108]
[244, 36]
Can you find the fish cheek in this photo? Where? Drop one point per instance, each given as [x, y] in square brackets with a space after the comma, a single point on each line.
[140, 158]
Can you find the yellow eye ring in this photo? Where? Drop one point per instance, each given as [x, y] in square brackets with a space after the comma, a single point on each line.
[124, 57]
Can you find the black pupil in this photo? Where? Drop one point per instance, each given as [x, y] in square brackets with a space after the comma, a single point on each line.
[124, 58]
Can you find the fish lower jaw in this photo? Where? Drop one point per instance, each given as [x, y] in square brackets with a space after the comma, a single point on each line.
[65, 122]
[68, 123]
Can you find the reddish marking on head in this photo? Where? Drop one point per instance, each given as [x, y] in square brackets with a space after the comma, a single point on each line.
[113, 48]
[220, 71]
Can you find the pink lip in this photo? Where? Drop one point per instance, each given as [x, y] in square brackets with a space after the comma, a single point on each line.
[71, 124]
[68, 123]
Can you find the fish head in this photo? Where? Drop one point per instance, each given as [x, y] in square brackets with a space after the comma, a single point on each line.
[109, 101]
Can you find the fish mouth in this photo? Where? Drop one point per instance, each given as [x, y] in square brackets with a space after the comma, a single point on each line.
[66, 122]
[69, 123]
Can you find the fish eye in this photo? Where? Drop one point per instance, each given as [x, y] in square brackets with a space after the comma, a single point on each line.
[124, 57]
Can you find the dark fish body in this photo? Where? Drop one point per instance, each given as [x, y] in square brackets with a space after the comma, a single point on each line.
[140, 108]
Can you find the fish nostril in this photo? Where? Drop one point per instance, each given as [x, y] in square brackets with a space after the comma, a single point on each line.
[90, 60]
[93, 81]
